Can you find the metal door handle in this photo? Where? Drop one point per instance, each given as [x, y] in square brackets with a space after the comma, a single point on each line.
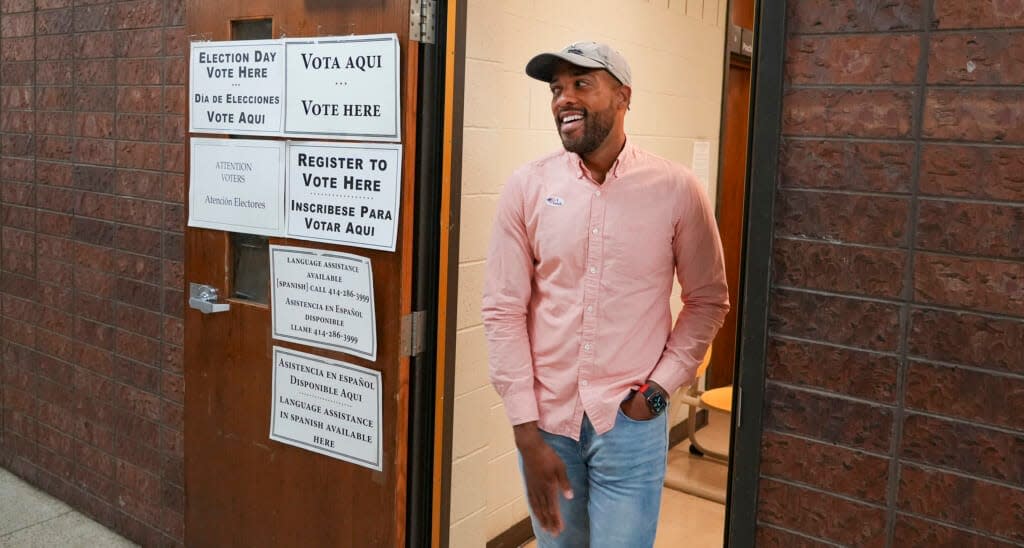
[204, 299]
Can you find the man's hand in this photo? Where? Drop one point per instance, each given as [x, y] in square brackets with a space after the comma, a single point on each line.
[636, 408]
[545, 477]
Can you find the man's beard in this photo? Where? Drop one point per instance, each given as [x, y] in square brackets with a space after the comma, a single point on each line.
[596, 127]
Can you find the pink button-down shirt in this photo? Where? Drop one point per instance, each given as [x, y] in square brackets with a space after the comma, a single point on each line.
[579, 276]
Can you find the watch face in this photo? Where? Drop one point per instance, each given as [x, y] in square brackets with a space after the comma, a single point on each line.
[656, 403]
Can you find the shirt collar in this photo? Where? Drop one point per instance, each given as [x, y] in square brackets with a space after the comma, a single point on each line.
[622, 162]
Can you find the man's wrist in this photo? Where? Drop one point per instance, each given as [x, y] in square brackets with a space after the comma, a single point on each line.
[527, 435]
[659, 388]
[654, 397]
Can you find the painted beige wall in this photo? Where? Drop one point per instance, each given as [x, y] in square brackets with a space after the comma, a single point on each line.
[675, 48]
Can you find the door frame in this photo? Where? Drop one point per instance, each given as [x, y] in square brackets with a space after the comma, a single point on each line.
[762, 172]
[755, 272]
[435, 276]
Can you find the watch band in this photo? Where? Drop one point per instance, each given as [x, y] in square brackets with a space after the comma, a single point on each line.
[653, 397]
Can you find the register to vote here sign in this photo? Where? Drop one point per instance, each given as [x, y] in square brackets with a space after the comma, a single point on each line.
[345, 194]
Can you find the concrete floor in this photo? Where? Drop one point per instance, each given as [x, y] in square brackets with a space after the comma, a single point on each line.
[31, 518]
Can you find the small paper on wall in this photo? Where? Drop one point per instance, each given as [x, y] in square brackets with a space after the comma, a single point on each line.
[701, 164]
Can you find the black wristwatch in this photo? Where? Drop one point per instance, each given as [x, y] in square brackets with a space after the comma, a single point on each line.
[656, 401]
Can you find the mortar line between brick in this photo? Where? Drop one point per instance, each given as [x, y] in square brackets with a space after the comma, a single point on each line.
[971, 368]
[924, 250]
[978, 478]
[917, 463]
[819, 441]
[925, 196]
[34, 416]
[817, 540]
[817, 342]
[899, 140]
[823, 491]
[909, 86]
[3, 340]
[882, 33]
[959, 527]
[899, 412]
[916, 305]
[847, 498]
[164, 141]
[833, 395]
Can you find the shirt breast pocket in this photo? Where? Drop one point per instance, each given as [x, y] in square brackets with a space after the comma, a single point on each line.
[642, 246]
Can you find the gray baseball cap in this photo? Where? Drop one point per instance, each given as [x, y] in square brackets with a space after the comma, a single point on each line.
[582, 54]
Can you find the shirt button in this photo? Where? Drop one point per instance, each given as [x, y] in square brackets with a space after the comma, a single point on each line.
[598, 192]
[595, 231]
[590, 308]
[587, 347]
[593, 270]
[584, 383]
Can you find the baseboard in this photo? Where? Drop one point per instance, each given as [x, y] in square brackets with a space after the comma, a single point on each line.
[680, 432]
[522, 532]
[514, 536]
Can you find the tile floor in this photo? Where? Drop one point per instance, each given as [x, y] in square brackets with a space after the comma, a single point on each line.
[30, 518]
[690, 515]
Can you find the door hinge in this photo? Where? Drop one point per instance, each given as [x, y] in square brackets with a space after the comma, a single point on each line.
[414, 333]
[423, 21]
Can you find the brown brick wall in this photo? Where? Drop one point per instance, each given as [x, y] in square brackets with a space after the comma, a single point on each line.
[92, 128]
[895, 368]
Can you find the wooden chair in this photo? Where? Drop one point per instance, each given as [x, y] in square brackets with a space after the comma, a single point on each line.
[716, 399]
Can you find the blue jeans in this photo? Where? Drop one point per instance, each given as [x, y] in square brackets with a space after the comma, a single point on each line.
[616, 480]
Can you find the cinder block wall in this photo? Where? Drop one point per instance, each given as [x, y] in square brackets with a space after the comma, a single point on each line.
[675, 48]
[92, 128]
[895, 396]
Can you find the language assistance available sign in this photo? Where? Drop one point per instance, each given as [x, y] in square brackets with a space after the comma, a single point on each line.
[345, 194]
[323, 299]
[237, 185]
[344, 86]
[327, 406]
[237, 87]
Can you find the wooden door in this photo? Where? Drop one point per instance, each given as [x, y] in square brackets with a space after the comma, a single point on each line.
[732, 194]
[242, 488]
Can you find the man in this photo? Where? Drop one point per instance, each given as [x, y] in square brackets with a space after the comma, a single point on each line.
[576, 308]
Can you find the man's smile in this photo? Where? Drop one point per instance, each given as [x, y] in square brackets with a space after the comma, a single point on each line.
[570, 120]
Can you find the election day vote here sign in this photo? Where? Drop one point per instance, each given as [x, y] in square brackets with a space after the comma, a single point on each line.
[237, 87]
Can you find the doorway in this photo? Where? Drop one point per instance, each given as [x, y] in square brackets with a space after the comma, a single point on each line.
[693, 113]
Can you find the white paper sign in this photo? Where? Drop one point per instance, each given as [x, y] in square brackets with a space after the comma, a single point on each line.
[702, 162]
[237, 185]
[327, 406]
[344, 86]
[237, 87]
[323, 299]
[345, 194]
